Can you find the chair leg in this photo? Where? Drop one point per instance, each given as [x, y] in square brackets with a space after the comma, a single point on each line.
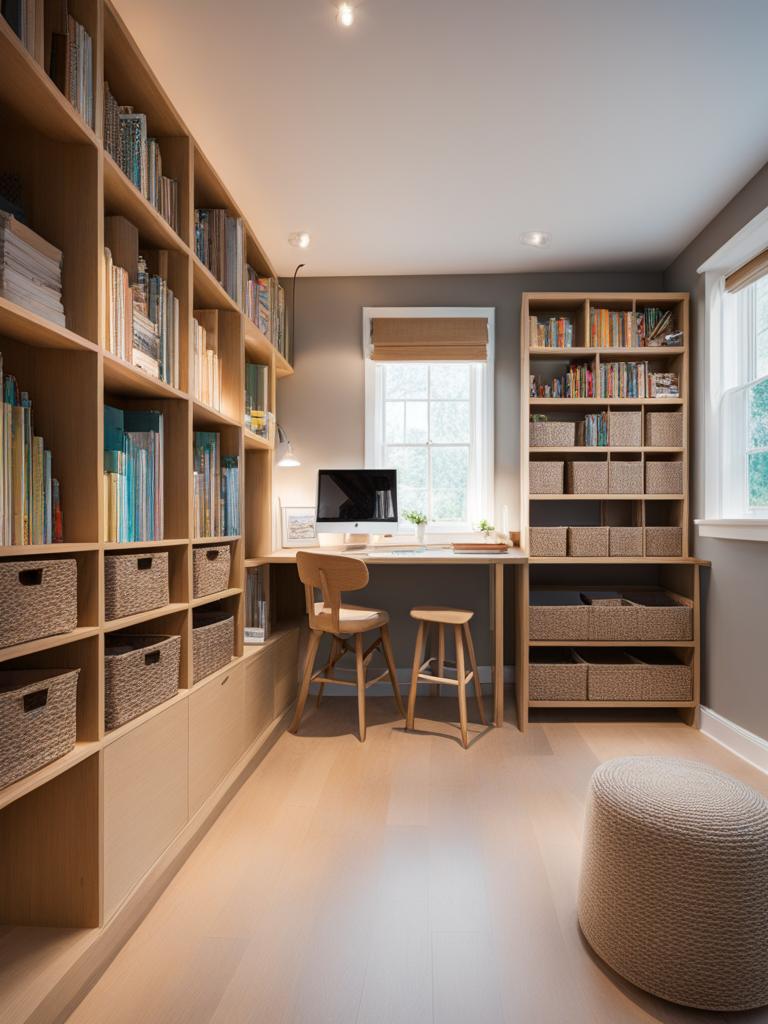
[360, 663]
[462, 686]
[475, 672]
[417, 656]
[309, 664]
[333, 657]
[440, 657]
[386, 644]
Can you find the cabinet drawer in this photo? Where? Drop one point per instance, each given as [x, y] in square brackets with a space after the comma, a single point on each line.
[216, 733]
[286, 654]
[258, 673]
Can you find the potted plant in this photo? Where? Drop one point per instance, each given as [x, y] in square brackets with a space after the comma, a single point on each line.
[486, 528]
[419, 520]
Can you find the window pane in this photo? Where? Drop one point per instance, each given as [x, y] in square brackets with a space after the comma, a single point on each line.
[758, 415]
[758, 480]
[394, 422]
[761, 325]
[416, 423]
[450, 476]
[411, 499]
[411, 466]
[406, 380]
[449, 422]
[449, 380]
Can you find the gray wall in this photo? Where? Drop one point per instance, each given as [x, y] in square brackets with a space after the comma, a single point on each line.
[735, 664]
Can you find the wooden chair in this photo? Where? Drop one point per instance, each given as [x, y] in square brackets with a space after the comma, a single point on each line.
[438, 619]
[332, 575]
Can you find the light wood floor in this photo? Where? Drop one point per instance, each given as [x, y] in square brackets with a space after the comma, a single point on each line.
[398, 882]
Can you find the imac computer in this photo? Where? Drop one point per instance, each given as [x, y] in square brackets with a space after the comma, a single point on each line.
[357, 501]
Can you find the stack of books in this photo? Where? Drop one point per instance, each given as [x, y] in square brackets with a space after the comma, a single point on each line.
[30, 496]
[26, 19]
[663, 385]
[206, 367]
[133, 475]
[138, 156]
[216, 509]
[257, 399]
[256, 606]
[656, 327]
[70, 61]
[612, 328]
[593, 432]
[577, 382]
[30, 270]
[556, 332]
[220, 246]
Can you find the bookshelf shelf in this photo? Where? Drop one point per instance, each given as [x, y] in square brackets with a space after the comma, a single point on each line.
[22, 325]
[607, 354]
[198, 602]
[47, 643]
[598, 450]
[137, 545]
[122, 378]
[197, 541]
[121, 197]
[114, 625]
[612, 643]
[258, 348]
[137, 723]
[253, 442]
[608, 402]
[282, 367]
[29, 783]
[204, 416]
[607, 497]
[209, 294]
[592, 704]
[647, 560]
[56, 550]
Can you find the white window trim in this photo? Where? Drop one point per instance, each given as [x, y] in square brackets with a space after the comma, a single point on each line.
[744, 246]
[486, 467]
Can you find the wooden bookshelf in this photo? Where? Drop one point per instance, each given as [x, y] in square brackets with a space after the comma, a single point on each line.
[92, 831]
[678, 575]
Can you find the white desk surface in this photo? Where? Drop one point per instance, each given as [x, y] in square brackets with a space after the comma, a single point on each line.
[432, 555]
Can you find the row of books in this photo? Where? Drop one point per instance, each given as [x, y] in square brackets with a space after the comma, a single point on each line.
[257, 398]
[133, 475]
[26, 19]
[206, 366]
[636, 380]
[577, 382]
[656, 327]
[216, 506]
[30, 270]
[555, 332]
[650, 326]
[256, 606]
[220, 246]
[138, 155]
[265, 306]
[592, 431]
[30, 496]
[70, 58]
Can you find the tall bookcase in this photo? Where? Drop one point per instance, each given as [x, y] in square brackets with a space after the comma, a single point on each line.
[85, 838]
[677, 575]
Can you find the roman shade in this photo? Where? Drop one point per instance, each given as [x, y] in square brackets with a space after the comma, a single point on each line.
[748, 274]
[429, 339]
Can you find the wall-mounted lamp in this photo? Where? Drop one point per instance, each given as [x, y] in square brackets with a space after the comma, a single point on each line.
[286, 459]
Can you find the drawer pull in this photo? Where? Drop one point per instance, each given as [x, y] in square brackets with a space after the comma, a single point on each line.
[31, 577]
[152, 658]
[225, 680]
[144, 563]
[212, 555]
[33, 701]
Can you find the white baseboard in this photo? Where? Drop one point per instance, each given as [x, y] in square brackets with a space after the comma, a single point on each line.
[735, 738]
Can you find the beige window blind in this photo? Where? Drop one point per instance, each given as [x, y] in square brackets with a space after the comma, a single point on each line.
[429, 339]
[748, 274]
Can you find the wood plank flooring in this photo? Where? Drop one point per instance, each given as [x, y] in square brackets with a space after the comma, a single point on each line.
[400, 881]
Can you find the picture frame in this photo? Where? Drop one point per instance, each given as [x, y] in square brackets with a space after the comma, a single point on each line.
[299, 527]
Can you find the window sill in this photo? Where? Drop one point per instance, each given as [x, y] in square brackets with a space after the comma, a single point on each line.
[733, 529]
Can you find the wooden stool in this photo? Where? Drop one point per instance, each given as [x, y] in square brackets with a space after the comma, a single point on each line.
[331, 575]
[431, 619]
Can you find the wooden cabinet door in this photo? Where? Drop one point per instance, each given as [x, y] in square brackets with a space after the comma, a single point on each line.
[216, 733]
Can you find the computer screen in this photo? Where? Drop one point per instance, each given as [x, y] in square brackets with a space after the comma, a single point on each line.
[356, 500]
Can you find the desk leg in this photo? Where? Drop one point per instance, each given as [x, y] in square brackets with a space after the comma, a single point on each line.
[521, 645]
[497, 640]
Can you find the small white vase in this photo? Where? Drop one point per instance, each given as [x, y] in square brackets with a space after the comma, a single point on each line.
[421, 529]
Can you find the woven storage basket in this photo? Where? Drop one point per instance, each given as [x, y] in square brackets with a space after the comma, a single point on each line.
[588, 541]
[665, 678]
[38, 719]
[210, 569]
[213, 642]
[548, 541]
[135, 583]
[663, 541]
[139, 673]
[613, 621]
[557, 615]
[625, 429]
[614, 676]
[552, 434]
[625, 542]
[661, 617]
[545, 477]
[557, 676]
[625, 477]
[587, 477]
[663, 478]
[37, 599]
[664, 429]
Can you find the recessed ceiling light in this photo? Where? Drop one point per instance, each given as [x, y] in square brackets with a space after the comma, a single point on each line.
[346, 15]
[299, 239]
[538, 239]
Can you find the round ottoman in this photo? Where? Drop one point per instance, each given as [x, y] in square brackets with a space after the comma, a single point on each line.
[674, 881]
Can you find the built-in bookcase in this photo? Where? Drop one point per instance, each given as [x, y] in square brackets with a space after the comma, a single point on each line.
[77, 837]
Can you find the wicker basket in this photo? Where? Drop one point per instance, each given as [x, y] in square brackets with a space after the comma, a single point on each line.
[625, 542]
[557, 615]
[625, 477]
[612, 620]
[37, 599]
[213, 642]
[552, 434]
[545, 477]
[140, 672]
[664, 677]
[661, 617]
[210, 569]
[613, 675]
[587, 477]
[548, 541]
[135, 583]
[556, 675]
[664, 429]
[38, 719]
[588, 541]
[663, 541]
[625, 429]
[663, 478]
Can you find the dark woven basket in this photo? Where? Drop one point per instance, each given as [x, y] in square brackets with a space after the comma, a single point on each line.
[625, 541]
[625, 429]
[140, 672]
[557, 615]
[664, 429]
[210, 569]
[545, 477]
[625, 477]
[587, 477]
[135, 583]
[552, 434]
[38, 719]
[548, 541]
[37, 599]
[588, 541]
[663, 541]
[557, 676]
[663, 478]
[213, 642]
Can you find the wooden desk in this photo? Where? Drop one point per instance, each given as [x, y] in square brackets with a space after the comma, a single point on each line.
[436, 555]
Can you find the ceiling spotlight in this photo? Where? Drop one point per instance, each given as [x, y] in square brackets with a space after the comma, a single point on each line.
[538, 239]
[346, 15]
[299, 239]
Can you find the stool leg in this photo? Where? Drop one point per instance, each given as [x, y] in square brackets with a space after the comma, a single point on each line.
[360, 685]
[309, 664]
[440, 656]
[462, 686]
[330, 665]
[475, 672]
[417, 655]
[386, 644]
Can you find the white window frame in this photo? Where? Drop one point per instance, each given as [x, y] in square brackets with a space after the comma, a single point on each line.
[724, 372]
[483, 419]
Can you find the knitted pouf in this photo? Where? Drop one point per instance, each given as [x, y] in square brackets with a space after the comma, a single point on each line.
[674, 881]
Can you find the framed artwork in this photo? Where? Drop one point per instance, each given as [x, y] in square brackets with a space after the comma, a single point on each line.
[299, 527]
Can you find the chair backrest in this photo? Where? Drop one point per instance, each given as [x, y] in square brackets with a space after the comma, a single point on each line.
[332, 575]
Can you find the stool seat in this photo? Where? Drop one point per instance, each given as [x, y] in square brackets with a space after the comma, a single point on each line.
[446, 616]
[352, 618]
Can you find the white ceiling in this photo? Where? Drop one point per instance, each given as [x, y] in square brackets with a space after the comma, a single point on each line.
[430, 135]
